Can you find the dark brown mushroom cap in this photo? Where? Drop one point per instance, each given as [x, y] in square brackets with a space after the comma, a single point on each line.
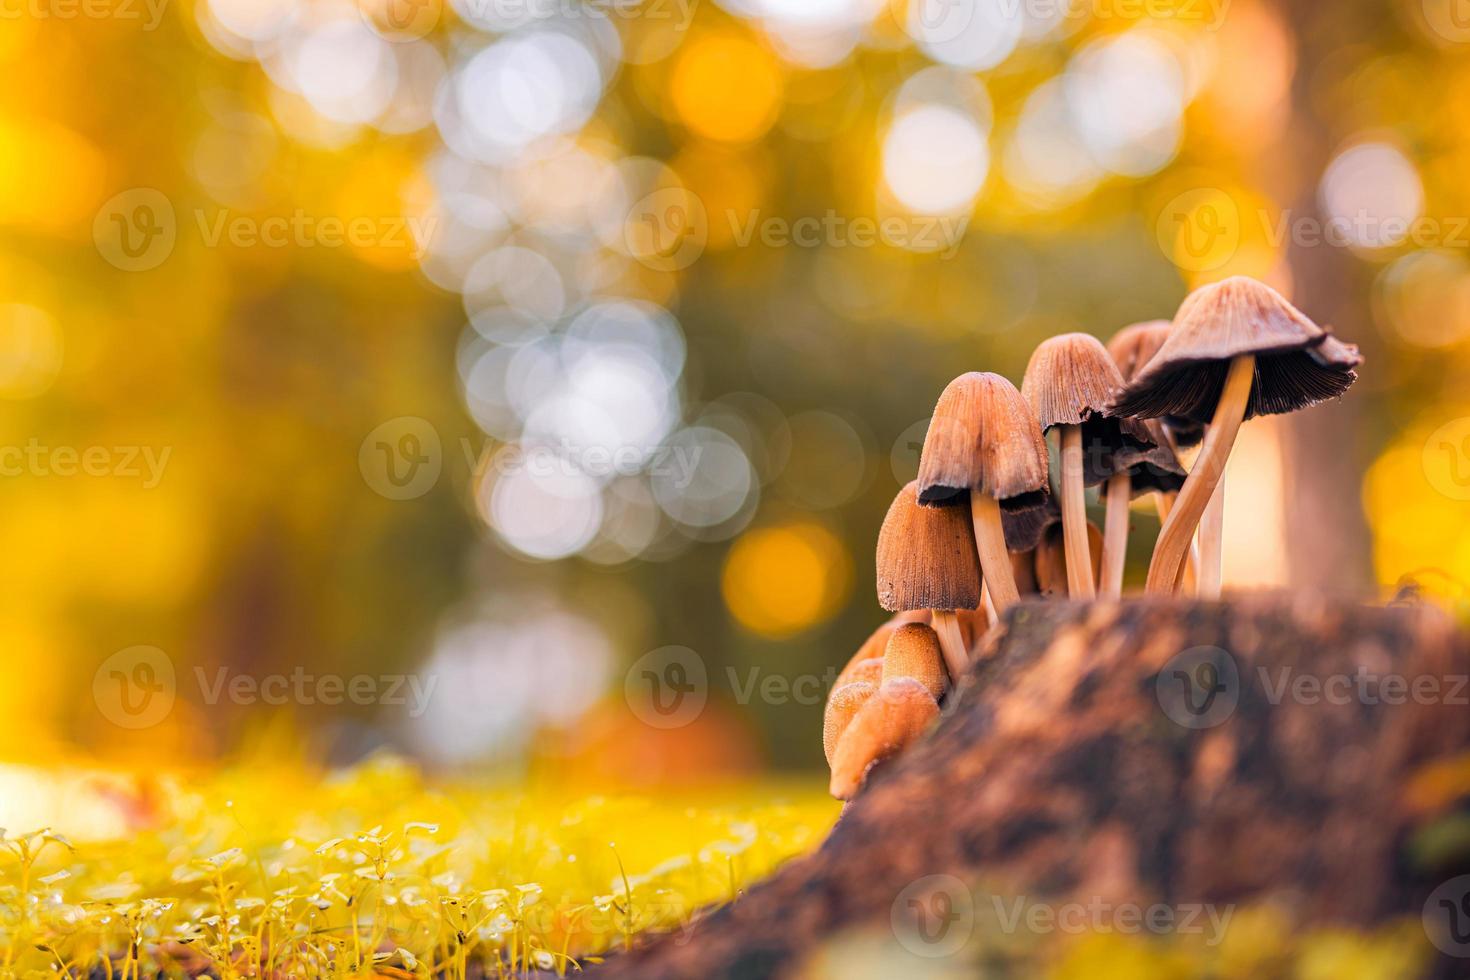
[1297, 362]
[1023, 529]
[1159, 469]
[926, 556]
[1071, 380]
[1132, 348]
[983, 436]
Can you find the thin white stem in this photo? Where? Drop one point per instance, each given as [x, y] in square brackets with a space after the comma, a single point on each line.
[1209, 469]
[990, 542]
[1115, 535]
[951, 643]
[1211, 539]
[1074, 516]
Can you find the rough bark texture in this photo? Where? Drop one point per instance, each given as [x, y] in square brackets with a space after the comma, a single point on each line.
[1058, 772]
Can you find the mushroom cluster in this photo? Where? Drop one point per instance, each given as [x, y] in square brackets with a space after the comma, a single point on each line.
[1127, 417]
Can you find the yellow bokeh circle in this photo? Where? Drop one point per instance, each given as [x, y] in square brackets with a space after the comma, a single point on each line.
[786, 578]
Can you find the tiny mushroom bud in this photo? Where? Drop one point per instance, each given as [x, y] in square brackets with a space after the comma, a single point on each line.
[913, 651]
[888, 721]
[841, 706]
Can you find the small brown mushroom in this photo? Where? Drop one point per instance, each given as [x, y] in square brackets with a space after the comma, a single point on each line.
[888, 721]
[985, 446]
[913, 651]
[1051, 560]
[1132, 348]
[1070, 381]
[926, 560]
[841, 706]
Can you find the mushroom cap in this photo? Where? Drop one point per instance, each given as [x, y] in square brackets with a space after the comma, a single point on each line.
[1159, 470]
[913, 651]
[888, 721]
[1023, 530]
[1297, 362]
[1132, 348]
[926, 556]
[841, 706]
[983, 436]
[1071, 380]
[1136, 344]
[862, 667]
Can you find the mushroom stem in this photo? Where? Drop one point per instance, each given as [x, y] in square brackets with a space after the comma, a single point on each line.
[1211, 544]
[1074, 516]
[1164, 503]
[951, 643]
[990, 542]
[1208, 471]
[986, 603]
[1115, 535]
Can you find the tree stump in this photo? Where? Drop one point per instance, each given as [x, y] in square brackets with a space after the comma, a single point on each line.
[1237, 753]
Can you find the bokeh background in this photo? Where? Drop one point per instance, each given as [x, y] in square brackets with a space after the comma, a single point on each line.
[508, 343]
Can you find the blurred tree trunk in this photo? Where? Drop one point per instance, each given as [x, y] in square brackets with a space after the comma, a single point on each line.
[1327, 534]
[1072, 765]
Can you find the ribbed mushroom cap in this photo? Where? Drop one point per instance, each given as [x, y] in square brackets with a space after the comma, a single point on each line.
[913, 651]
[841, 706]
[888, 721]
[1135, 345]
[926, 556]
[983, 436]
[1023, 530]
[1071, 380]
[1132, 348]
[1297, 362]
[1159, 469]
